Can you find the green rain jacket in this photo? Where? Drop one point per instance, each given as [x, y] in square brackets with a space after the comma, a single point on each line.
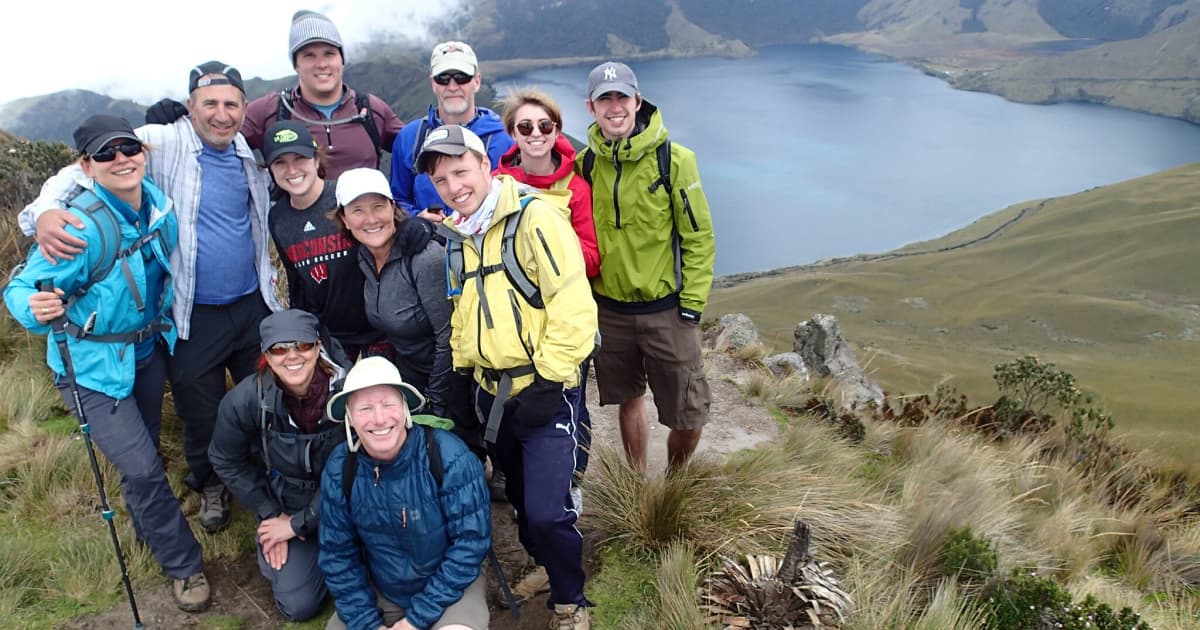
[643, 266]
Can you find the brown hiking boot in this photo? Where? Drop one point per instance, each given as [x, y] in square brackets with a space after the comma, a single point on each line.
[192, 593]
[532, 585]
[570, 617]
[214, 508]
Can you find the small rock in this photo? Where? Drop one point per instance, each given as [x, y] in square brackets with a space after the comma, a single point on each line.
[733, 331]
[786, 364]
[918, 303]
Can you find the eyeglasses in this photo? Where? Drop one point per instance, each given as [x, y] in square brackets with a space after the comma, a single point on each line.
[460, 78]
[546, 126]
[281, 348]
[128, 149]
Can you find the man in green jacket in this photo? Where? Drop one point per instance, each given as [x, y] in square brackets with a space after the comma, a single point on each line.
[654, 231]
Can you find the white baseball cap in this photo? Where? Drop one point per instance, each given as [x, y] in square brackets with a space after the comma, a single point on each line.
[357, 182]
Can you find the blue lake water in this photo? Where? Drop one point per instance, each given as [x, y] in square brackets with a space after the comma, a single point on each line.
[810, 152]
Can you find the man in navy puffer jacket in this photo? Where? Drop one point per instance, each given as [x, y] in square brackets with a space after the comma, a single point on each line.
[403, 552]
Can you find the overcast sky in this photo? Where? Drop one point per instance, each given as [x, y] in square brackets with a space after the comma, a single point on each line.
[142, 49]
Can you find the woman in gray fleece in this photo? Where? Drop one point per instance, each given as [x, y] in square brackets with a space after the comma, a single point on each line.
[405, 281]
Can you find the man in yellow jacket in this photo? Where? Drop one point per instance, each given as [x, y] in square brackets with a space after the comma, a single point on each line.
[523, 322]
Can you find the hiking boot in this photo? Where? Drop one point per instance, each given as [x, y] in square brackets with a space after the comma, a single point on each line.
[496, 487]
[532, 585]
[214, 508]
[192, 594]
[570, 617]
[577, 500]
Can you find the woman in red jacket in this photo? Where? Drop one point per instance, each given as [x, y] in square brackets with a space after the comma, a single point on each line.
[544, 158]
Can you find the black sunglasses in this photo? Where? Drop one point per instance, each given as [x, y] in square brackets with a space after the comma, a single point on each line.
[546, 126]
[282, 348]
[460, 78]
[128, 149]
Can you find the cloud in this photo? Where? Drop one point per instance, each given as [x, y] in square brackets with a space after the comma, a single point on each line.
[138, 49]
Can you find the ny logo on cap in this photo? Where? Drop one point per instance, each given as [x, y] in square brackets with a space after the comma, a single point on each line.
[610, 73]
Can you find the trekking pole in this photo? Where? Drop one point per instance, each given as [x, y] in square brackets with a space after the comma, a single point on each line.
[59, 328]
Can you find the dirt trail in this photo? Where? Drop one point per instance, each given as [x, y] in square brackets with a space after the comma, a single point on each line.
[240, 592]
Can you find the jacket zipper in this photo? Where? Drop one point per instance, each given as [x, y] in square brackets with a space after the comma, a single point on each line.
[616, 188]
[329, 135]
[687, 206]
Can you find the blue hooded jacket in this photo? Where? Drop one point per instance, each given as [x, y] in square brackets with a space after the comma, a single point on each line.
[421, 546]
[414, 191]
[101, 366]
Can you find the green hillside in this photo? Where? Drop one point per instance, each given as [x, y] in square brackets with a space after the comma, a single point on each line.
[1104, 283]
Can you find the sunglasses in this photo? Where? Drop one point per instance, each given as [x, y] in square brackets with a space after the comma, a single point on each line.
[460, 78]
[128, 149]
[280, 349]
[546, 126]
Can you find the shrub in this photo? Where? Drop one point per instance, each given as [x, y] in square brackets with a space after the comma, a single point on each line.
[1029, 602]
[967, 557]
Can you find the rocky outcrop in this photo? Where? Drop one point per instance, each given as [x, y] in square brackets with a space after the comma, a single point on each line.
[822, 349]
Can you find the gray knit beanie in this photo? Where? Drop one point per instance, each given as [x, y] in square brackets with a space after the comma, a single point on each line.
[309, 27]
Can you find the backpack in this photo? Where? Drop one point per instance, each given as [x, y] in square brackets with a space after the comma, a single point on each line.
[350, 472]
[109, 243]
[509, 263]
[363, 115]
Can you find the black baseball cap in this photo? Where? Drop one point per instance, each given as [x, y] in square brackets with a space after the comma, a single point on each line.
[287, 136]
[214, 73]
[99, 130]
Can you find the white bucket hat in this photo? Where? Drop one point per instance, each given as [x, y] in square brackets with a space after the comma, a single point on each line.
[370, 372]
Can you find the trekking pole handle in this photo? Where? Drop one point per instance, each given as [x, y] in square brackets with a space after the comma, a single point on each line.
[58, 324]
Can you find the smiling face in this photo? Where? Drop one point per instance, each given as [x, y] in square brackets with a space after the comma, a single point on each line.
[536, 145]
[294, 369]
[217, 112]
[456, 103]
[378, 414]
[615, 114]
[319, 66]
[371, 219]
[295, 174]
[123, 175]
[462, 181]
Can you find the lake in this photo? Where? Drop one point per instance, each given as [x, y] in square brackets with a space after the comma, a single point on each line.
[811, 152]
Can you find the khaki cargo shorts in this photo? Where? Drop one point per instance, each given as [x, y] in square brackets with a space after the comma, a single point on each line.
[658, 349]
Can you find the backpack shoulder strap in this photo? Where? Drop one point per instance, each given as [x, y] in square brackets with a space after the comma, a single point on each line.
[435, 455]
[418, 142]
[512, 265]
[349, 472]
[662, 155]
[589, 162]
[283, 111]
[362, 104]
[90, 205]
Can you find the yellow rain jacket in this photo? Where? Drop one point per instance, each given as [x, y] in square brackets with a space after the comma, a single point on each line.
[503, 331]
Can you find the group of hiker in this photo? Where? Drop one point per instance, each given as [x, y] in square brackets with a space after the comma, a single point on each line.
[440, 317]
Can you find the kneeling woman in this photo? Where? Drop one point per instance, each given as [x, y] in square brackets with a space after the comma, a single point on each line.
[269, 447]
[119, 331]
[405, 524]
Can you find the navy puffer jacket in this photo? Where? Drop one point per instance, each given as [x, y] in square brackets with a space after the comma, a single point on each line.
[421, 546]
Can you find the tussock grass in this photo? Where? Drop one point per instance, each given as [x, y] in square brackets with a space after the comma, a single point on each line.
[678, 583]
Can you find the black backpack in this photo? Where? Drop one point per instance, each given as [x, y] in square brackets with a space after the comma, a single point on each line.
[363, 115]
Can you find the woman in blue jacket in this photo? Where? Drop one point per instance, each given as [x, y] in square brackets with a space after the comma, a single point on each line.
[405, 524]
[116, 296]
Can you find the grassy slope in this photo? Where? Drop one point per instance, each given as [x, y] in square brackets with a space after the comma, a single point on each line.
[1103, 283]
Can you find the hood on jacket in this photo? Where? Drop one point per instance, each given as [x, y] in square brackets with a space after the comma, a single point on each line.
[510, 164]
[485, 122]
[648, 132]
